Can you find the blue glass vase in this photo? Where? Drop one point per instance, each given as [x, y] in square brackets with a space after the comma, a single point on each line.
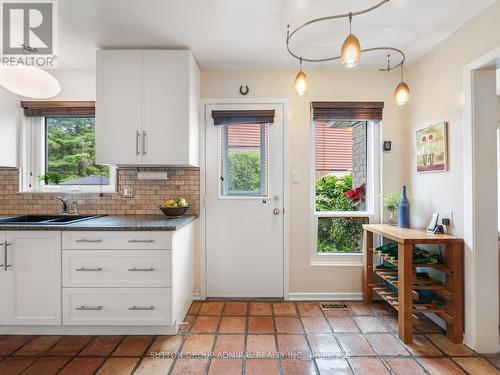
[404, 210]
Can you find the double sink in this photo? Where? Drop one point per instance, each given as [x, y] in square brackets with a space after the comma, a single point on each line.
[46, 219]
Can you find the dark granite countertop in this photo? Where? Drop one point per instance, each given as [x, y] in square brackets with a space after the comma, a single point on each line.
[113, 223]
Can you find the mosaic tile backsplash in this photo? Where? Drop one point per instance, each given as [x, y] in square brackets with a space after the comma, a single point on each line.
[147, 195]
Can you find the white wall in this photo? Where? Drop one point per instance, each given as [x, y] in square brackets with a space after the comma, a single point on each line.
[436, 81]
[437, 95]
[9, 116]
[355, 85]
[75, 84]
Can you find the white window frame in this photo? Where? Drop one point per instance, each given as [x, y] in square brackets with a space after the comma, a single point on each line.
[33, 164]
[373, 209]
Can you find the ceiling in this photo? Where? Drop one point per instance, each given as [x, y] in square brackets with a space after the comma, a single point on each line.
[239, 34]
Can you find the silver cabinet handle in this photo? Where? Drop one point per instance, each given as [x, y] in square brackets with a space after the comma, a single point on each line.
[6, 264]
[144, 134]
[83, 269]
[5, 261]
[89, 308]
[89, 241]
[137, 135]
[141, 269]
[141, 308]
[141, 241]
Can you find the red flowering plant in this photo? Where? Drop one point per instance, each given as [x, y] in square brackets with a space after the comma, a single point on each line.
[356, 195]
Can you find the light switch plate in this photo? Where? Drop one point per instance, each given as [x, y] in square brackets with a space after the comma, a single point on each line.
[295, 177]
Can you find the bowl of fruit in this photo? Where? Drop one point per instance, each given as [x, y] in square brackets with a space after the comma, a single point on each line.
[175, 207]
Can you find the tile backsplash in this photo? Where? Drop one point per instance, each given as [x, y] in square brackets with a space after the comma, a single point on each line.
[147, 195]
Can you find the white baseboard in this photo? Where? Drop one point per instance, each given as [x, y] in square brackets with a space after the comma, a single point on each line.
[196, 296]
[89, 330]
[325, 296]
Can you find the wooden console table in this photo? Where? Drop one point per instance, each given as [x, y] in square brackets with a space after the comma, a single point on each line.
[451, 291]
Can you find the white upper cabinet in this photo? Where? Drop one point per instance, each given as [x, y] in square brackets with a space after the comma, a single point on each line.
[147, 108]
[119, 107]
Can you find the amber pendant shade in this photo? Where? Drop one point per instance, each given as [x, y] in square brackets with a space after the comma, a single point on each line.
[301, 83]
[402, 94]
[351, 52]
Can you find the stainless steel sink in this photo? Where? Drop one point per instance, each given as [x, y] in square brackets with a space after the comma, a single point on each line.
[46, 219]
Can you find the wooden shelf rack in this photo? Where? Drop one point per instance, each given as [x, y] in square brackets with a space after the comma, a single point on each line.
[405, 298]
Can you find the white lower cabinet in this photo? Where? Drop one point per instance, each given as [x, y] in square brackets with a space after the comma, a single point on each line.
[30, 278]
[127, 278]
[109, 282]
[117, 306]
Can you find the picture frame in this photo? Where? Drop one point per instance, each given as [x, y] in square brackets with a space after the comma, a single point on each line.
[432, 148]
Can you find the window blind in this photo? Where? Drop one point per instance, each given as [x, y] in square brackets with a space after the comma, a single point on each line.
[235, 117]
[330, 111]
[58, 108]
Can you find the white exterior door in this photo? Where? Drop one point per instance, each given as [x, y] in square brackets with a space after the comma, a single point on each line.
[244, 206]
[33, 278]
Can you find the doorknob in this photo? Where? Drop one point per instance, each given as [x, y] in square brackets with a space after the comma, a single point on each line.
[276, 211]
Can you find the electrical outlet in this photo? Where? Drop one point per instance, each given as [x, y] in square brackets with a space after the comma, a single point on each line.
[446, 214]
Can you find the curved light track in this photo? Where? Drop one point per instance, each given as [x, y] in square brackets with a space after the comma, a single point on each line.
[290, 34]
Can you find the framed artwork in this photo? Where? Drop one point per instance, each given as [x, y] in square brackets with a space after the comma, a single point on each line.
[432, 148]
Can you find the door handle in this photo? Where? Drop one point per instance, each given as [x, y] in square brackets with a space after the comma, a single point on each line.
[141, 308]
[276, 211]
[89, 308]
[144, 134]
[89, 241]
[137, 135]
[141, 241]
[150, 269]
[6, 264]
[83, 269]
[4, 260]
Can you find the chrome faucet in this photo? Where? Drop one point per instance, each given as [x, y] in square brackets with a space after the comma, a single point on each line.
[64, 202]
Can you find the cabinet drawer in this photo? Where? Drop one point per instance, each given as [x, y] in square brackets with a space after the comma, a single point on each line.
[117, 268]
[113, 306]
[117, 240]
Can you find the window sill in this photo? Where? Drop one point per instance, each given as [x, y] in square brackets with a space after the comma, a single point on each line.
[337, 260]
[71, 190]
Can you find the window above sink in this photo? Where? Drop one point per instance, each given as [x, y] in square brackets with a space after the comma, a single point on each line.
[59, 155]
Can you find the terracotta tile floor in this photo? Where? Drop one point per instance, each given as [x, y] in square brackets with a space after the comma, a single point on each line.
[259, 337]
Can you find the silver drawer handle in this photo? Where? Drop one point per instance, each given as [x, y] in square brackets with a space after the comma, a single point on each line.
[141, 241]
[92, 241]
[141, 308]
[89, 308]
[83, 269]
[141, 269]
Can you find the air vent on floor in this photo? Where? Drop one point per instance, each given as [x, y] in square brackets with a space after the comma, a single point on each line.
[332, 306]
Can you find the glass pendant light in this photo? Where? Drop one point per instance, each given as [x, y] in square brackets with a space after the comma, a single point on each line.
[301, 81]
[29, 82]
[402, 92]
[351, 49]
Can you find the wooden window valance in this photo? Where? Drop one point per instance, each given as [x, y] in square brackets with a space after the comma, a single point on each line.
[235, 117]
[58, 108]
[330, 111]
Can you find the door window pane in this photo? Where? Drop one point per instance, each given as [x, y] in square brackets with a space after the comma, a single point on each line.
[244, 160]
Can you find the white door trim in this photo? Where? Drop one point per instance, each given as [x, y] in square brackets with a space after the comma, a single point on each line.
[471, 229]
[286, 199]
